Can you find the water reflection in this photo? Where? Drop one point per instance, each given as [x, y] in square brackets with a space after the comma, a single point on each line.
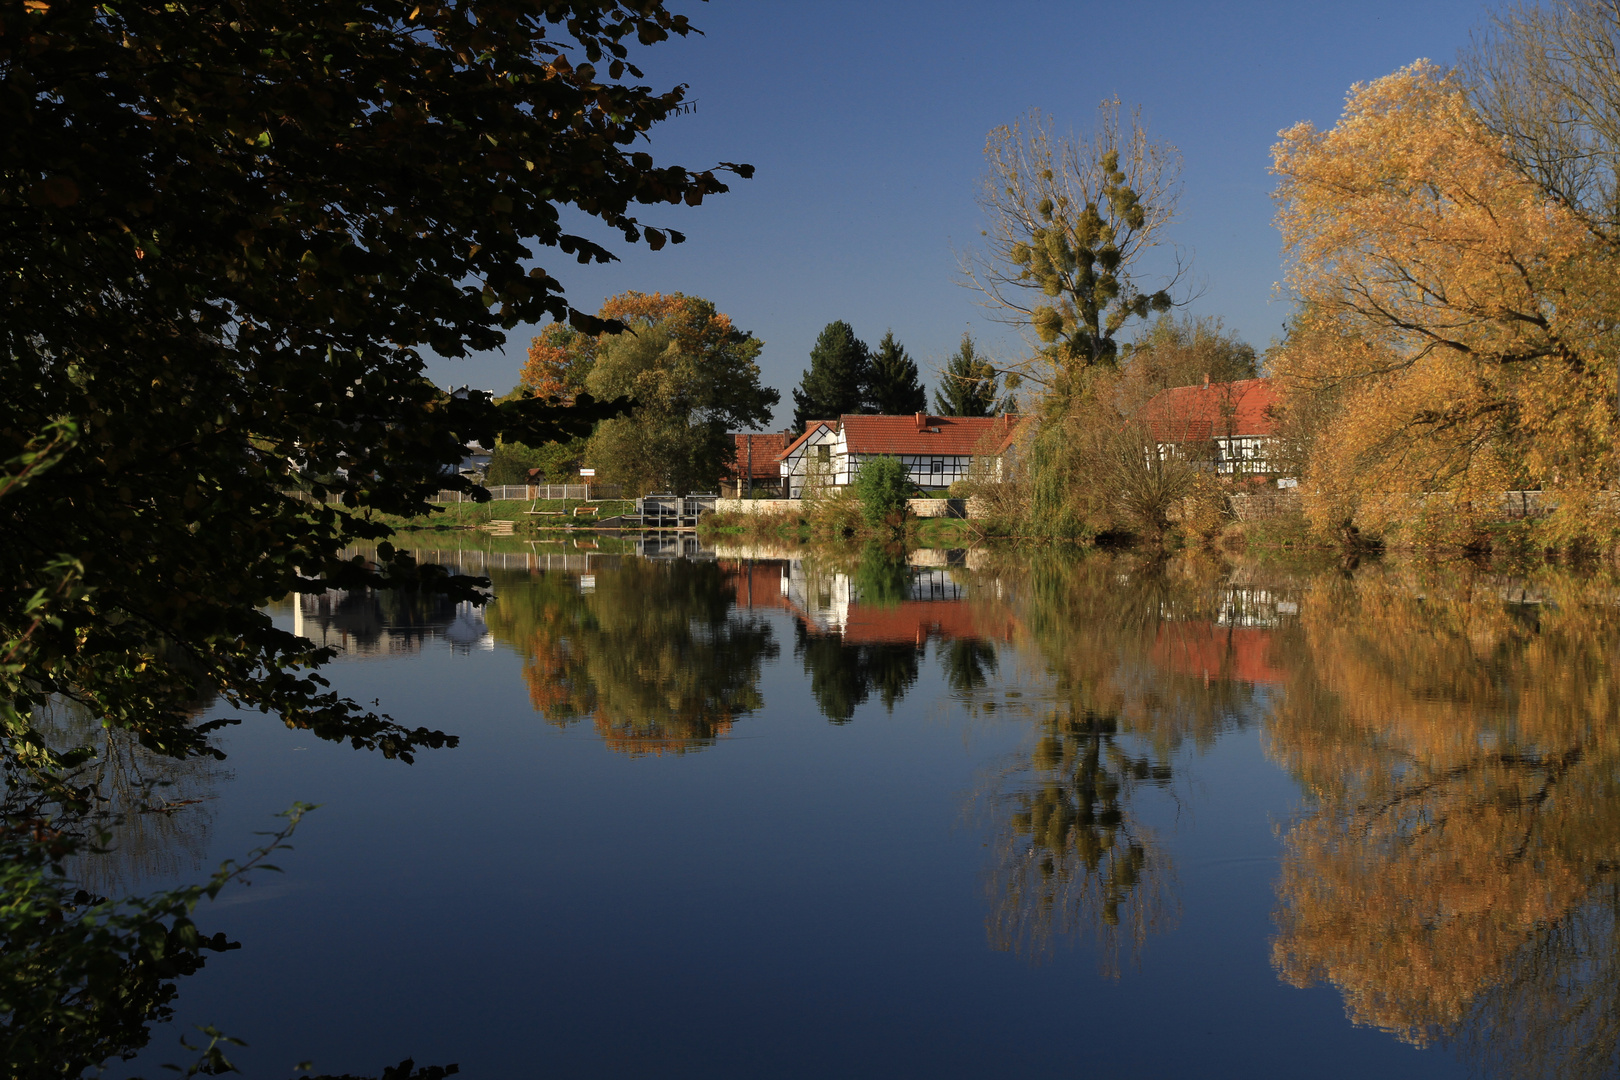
[863, 627]
[1141, 659]
[1456, 876]
[371, 623]
[654, 653]
[150, 814]
[1454, 873]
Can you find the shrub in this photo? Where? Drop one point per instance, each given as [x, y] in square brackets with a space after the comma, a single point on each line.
[883, 487]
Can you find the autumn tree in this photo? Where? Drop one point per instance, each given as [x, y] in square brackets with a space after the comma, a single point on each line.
[1173, 352]
[969, 384]
[836, 381]
[693, 377]
[893, 386]
[1069, 223]
[1456, 316]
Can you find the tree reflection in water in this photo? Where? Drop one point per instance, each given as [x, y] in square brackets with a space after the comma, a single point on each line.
[652, 651]
[152, 812]
[1455, 877]
[863, 626]
[1114, 637]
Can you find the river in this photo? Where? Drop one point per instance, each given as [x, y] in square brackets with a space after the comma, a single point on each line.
[751, 813]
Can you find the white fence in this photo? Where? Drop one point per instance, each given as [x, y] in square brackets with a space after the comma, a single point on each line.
[582, 492]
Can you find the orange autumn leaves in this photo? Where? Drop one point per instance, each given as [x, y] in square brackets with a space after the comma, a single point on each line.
[1458, 753]
[561, 358]
[1453, 326]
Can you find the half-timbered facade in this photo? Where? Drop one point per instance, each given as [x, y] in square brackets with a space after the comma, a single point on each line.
[1232, 426]
[937, 451]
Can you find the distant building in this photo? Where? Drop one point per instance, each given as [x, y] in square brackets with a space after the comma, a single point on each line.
[1231, 425]
[757, 469]
[937, 451]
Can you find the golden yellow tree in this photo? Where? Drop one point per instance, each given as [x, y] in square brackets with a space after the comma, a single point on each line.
[1454, 317]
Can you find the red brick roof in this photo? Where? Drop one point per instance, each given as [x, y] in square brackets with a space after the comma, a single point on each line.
[924, 434]
[1213, 411]
[767, 452]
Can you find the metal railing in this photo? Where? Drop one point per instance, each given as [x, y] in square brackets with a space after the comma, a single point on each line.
[581, 492]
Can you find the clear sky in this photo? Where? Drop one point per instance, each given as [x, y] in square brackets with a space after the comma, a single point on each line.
[867, 121]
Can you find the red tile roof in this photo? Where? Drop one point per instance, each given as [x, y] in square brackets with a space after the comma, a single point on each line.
[924, 434]
[1224, 653]
[915, 621]
[767, 452]
[1213, 411]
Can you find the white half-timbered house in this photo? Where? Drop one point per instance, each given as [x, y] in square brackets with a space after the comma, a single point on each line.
[937, 451]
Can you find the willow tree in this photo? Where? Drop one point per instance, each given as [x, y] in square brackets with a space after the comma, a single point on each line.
[1457, 318]
[1069, 221]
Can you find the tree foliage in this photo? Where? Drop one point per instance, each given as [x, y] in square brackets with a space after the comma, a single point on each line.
[693, 377]
[969, 385]
[883, 485]
[893, 384]
[1068, 223]
[836, 381]
[229, 232]
[1173, 352]
[1456, 317]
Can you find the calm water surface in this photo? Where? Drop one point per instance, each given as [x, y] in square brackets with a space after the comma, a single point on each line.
[723, 814]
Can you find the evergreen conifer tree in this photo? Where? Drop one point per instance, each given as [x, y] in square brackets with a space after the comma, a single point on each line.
[836, 381]
[893, 387]
[968, 385]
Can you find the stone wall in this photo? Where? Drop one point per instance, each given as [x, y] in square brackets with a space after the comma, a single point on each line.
[922, 508]
[949, 508]
[759, 506]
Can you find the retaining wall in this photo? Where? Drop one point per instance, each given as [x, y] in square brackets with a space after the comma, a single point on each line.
[922, 508]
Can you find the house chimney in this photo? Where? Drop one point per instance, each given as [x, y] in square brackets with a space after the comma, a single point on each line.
[1206, 378]
[922, 421]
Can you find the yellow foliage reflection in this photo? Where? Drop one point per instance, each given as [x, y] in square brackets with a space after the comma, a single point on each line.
[1460, 749]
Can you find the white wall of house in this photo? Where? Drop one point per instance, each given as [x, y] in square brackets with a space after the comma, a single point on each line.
[1241, 455]
[826, 453]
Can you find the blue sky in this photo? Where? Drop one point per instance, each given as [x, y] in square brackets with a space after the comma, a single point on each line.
[867, 121]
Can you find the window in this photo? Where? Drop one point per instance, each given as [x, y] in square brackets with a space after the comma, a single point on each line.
[823, 452]
[938, 466]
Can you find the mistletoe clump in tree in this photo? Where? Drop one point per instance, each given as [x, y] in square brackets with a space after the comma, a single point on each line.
[1068, 223]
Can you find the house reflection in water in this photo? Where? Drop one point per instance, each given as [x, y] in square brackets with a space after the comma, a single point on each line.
[867, 632]
[363, 623]
[1234, 646]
